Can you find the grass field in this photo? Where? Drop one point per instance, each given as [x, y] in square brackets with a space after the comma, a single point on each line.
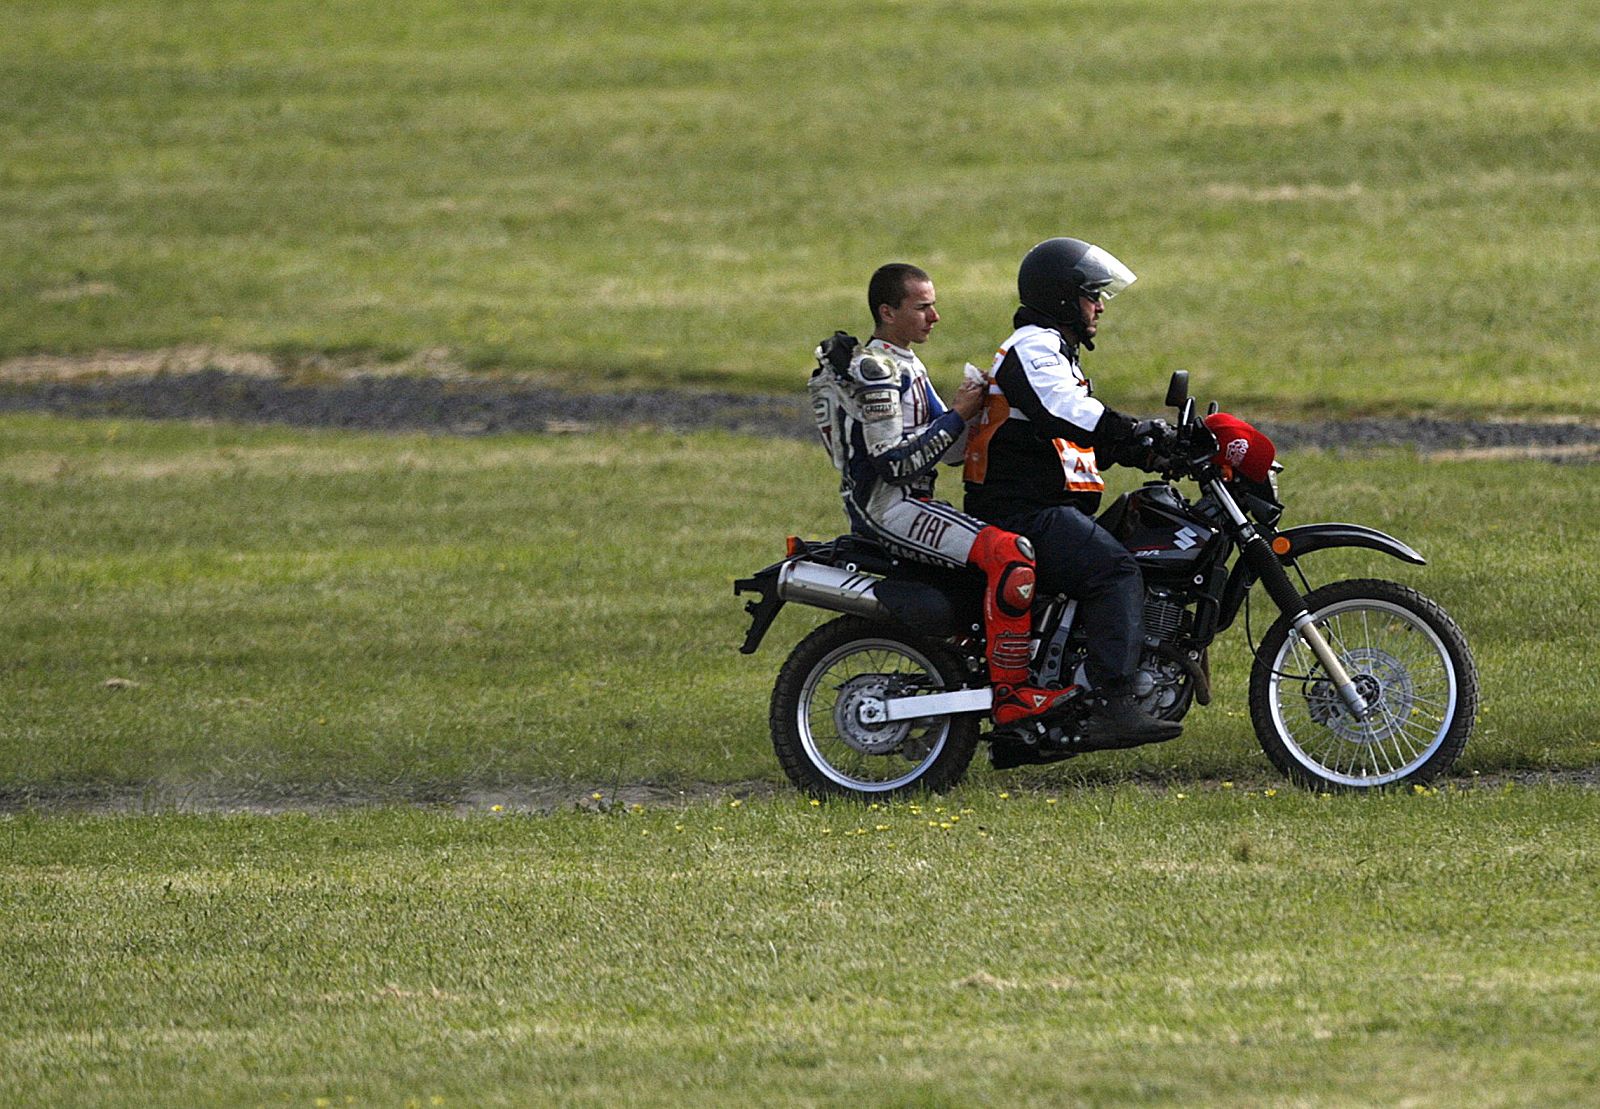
[1333, 208]
[1113, 947]
[412, 616]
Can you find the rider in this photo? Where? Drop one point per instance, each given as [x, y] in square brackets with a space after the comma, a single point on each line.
[888, 430]
[1033, 467]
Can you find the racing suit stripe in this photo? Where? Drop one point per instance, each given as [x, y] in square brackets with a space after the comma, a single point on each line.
[923, 530]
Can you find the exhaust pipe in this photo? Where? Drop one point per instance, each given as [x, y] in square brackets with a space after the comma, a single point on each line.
[811, 583]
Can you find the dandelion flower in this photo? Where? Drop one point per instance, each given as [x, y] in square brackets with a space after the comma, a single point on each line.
[497, 808]
[1004, 796]
[595, 796]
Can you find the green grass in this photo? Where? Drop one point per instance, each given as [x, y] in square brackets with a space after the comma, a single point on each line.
[412, 616]
[1225, 947]
[1332, 207]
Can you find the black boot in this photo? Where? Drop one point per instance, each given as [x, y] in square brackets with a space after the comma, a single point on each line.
[1116, 720]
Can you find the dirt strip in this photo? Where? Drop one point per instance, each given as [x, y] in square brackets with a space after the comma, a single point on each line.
[197, 385]
[545, 798]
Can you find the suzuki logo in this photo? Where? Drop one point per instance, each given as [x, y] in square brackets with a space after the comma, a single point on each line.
[1186, 538]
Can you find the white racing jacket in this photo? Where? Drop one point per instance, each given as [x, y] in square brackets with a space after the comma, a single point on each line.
[882, 422]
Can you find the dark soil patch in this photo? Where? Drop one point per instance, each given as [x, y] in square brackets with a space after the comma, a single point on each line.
[463, 405]
[543, 798]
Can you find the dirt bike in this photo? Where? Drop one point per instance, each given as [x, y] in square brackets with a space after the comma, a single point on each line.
[1356, 685]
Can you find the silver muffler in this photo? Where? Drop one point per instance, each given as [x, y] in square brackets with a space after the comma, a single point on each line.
[810, 583]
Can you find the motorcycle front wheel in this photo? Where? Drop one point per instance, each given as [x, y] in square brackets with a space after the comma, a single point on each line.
[825, 708]
[1405, 655]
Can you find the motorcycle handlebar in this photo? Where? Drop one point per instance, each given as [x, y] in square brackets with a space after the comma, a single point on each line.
[1189, 450]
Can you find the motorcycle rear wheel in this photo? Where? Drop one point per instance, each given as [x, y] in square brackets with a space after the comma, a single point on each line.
[1408, 659]
[824, 743]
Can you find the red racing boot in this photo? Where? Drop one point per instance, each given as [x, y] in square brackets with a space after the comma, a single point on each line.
[1006, 560]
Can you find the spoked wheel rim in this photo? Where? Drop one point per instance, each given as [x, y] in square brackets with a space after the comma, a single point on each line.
[838, 709]
[1398, 663]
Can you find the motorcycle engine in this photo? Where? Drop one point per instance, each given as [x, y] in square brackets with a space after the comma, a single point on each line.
[1162, 684]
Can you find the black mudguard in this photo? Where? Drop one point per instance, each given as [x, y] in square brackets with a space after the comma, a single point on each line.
[764, 611]
[1308, 539]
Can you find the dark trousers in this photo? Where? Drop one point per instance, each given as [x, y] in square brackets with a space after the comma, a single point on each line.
[1077, 557]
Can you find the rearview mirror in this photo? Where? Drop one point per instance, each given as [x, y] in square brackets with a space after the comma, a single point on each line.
[1178, 389]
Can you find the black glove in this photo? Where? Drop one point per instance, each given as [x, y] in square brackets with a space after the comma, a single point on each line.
[1147, 445]
[836, 351]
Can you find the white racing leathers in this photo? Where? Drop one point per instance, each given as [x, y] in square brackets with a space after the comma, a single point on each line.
[888, 431]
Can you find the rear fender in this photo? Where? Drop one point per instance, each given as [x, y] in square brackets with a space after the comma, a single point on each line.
[764, 611]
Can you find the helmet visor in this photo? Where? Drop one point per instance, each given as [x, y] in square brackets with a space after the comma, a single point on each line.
[1103, 276]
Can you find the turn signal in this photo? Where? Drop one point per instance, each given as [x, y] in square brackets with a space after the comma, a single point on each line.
[794, 546]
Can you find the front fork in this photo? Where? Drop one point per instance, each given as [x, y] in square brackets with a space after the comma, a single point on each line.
[1258, 554]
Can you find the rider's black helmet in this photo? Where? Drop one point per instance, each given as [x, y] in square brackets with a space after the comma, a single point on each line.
[1054, 274]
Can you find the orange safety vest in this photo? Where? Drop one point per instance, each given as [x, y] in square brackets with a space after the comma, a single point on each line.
[1079, 472]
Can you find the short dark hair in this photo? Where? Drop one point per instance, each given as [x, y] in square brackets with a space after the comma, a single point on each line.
[888, 286]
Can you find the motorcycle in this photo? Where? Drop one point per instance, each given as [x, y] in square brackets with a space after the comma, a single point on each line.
[1357, 685]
